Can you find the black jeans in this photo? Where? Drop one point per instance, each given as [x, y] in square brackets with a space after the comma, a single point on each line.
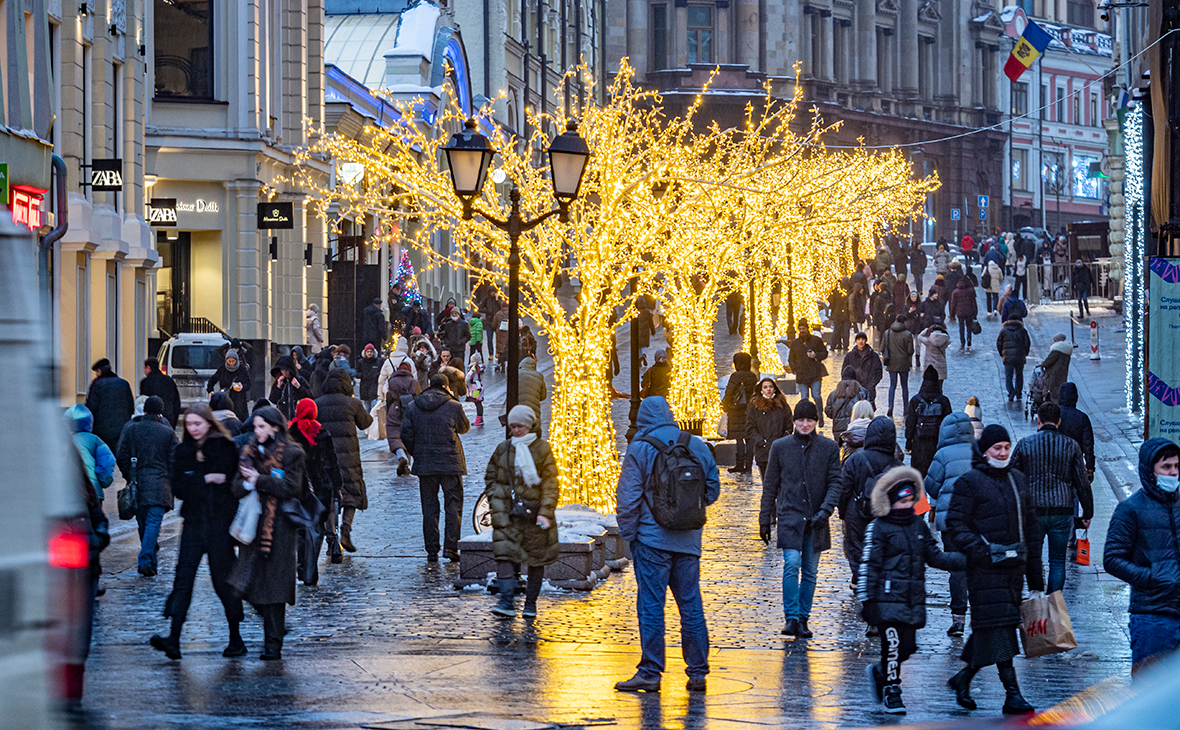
[1014, 380]
[1020, 287]
[898, 643]
[993, 300]
[958, 582]
[452, 489]
[840, 334]
[196, 541]
[965, 330]
[274, 625]
[1083, 301]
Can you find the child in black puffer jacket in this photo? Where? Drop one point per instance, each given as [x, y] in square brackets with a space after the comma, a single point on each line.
[892, 581]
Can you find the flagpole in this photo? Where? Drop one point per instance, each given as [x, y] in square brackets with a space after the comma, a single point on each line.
[1044, 112]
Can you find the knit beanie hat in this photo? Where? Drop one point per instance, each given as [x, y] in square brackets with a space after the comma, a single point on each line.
[806, 410]
[901, 491]
[521, 416]
[991, 436]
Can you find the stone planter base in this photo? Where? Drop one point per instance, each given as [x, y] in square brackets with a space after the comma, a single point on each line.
[583, 562]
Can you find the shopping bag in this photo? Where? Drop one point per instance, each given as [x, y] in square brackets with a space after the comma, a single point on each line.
[922, 506]
[128, 496]
[245, 524]
[376, 430]
[1083, 555]
[1045, 627]
[723, 425]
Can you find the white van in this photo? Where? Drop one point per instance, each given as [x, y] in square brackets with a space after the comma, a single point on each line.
[191, 359]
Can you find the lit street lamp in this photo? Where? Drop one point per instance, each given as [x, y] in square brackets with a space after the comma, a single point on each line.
[469, 155]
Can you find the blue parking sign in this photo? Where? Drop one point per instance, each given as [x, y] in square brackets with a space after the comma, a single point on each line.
[983, 214]
[956, 214]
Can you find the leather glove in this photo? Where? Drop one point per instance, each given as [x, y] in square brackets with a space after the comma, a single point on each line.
[764, 533]
[820, 516]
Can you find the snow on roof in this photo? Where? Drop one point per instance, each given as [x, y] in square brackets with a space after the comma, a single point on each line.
[417, 29]
[357, 43]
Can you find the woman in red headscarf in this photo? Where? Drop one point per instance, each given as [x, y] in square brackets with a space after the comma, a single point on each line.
[323, 475]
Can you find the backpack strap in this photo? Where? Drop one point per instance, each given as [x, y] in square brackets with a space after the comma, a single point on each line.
[684, 439]
[660, 445]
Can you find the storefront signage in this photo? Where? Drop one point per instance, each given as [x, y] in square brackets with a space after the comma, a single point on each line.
[4, 180]
[106, 175]
[198, 206]
[273, 216]
[1163, 339]
[26, 209]
[162, 212]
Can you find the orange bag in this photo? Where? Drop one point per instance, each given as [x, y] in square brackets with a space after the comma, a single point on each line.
[1083, 554]
[922, 506]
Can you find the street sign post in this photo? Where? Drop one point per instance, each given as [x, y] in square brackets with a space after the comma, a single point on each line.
[982, 201]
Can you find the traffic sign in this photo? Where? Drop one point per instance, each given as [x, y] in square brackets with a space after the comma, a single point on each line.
[983, 214]
[956, 214]
[982, 201]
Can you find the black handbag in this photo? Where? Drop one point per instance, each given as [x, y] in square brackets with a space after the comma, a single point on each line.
[976, 328]
[128, 496]
[1013, 554]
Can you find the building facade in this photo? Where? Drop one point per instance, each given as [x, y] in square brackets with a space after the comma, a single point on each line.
[923, 74]
[231, 85]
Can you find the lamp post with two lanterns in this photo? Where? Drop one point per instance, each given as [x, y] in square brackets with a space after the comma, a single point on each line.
[469, 155]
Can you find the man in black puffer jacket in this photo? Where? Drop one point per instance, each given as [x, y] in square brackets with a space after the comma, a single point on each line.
[1013, 345]
[1141, 550]
[431, 428]
[1076, 424]
[879, 454]
[891, 584]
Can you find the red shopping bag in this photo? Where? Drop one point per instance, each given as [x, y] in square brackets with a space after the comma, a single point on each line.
[1083, 555]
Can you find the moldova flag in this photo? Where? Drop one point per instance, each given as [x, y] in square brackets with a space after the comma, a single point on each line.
[1027, 50]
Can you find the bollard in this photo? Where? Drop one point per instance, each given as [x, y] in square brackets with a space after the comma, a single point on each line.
[1094, 341]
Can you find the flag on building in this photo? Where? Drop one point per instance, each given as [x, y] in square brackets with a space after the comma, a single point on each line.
[1028, 49]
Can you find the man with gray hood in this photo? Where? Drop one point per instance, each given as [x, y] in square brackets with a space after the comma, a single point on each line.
[664, 558]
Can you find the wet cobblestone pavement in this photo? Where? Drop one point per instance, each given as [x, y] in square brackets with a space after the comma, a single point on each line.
[385, 638]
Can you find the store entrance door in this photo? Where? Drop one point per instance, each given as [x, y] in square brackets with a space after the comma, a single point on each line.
[174, 281]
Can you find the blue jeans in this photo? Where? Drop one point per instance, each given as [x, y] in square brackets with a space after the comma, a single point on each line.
[1057, 529]
[1152, 635]
[1014, 379]
[149, 519]
[798, 592]
[813, 388]
[905, 388]
[655, 572]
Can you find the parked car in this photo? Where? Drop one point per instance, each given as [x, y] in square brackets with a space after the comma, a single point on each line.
[191, 359]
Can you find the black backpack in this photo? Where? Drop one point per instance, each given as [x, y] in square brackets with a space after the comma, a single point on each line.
[677, 494]
[929, 418]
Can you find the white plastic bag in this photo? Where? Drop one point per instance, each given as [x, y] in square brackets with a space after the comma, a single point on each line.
[723, 425]
[245, 524]
[376, 430]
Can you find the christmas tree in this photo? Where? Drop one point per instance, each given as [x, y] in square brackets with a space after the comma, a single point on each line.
[405, 281]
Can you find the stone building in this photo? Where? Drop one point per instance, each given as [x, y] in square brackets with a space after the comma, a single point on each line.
[231, 85]
[919, 73]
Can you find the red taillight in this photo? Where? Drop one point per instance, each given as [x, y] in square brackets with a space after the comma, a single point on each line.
[164, 368]
[69, 549]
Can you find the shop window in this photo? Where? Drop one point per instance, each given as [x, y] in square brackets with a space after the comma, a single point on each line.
[1084, 186]
[1077, 109]
[700, 34]
[1081, 13]
[184, 49]
[1094, 120]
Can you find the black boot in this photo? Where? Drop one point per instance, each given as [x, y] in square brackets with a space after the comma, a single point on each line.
[506, 593]
[335, 552]
[170, 644]
[1014, 702]
[961, 684]
[236, 646]
[346, 538]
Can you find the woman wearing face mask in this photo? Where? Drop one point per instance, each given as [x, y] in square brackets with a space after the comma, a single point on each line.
[990, 519]
[1140, 550]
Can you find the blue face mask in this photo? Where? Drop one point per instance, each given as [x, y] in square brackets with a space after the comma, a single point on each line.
[1167, 483]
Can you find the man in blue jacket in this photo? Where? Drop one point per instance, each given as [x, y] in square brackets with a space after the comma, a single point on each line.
[1141, 550]
[663, 558]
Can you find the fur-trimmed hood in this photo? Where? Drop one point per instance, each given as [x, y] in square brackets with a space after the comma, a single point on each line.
[879, 501]
[764, 404]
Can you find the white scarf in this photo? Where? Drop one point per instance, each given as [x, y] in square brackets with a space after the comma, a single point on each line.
[524, 459]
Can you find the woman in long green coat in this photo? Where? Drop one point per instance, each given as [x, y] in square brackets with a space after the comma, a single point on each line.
[522, 490]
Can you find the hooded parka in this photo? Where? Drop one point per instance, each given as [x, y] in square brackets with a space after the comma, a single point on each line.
[531, 387]
[891, 584]
[923, 419]
[1056, 367]
[954, 458]
[842, 398]
[767, 420]
[517, 539]
[430, 428]
[899, 344]
[342, 415]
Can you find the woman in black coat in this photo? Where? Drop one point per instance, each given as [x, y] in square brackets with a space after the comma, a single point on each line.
[369, 370]
[742, 386]
[203, 466]
[233, 378]
[767, 419]
[272, 465]
[991, 520]
[342, 415]
[323, 476]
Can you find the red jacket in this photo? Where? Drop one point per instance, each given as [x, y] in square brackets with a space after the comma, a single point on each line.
[967, 244]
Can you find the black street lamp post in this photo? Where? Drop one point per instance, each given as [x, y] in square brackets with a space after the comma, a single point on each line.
[633, 414]
[469, 155]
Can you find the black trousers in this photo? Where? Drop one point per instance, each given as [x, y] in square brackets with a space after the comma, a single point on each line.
[452, 490]
[898, 643]
[196, 541]
[840, 334]
[506, 570]
[274, 624]
[733, 318]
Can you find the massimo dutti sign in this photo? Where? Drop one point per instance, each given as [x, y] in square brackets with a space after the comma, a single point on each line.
[273, 216]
